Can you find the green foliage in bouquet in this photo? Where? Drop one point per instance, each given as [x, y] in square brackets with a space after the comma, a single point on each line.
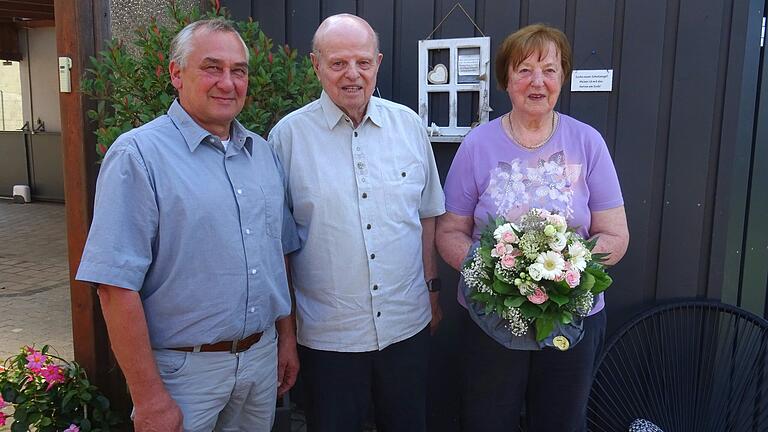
[49, 394]
[130, 91]
[535, 272]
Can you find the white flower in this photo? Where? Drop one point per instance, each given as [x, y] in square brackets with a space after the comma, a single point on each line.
[577, 250]
[550, 230]
[552, 264]
[536, 271]
[578, 263]
[498, 233]
[558, 243]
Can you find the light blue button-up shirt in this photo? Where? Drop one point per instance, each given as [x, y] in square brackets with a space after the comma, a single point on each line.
[200, 233]
[357, 196]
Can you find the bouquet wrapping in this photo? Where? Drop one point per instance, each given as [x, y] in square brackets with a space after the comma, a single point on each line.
[535, 272]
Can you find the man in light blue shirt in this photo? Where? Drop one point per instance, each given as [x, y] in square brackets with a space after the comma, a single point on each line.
[187, 243]
[364, 190]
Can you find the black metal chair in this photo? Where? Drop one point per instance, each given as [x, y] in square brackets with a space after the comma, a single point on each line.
[691, 366]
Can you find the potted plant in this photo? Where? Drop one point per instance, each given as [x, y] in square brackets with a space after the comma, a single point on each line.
[50, 394]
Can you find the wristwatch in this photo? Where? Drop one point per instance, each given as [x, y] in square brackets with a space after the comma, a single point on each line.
[434, 285]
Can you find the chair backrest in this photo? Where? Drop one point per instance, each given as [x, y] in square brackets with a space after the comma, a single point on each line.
[686, 366]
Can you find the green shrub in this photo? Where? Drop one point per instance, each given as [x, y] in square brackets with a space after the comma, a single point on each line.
[131, 90]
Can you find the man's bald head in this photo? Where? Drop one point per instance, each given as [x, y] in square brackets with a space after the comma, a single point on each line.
[343, 21]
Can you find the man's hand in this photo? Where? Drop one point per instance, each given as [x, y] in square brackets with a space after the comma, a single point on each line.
[157, 414]
[287, 364]
[437, 312]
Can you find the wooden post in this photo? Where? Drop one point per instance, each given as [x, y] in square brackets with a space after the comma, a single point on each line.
[80, 30]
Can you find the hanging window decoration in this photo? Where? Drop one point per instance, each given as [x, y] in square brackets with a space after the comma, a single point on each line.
[454, 75]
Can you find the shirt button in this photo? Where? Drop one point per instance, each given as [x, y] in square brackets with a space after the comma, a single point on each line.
[368, 226]
[360, 165]
[253, 271]
[253, 309]
[378, 314]
[357, 148]
[239, 191]
[373, 256]
[362, 179]
[247, 231]
[402, 173]
[365, 195]
[355, 134]
[375, 287]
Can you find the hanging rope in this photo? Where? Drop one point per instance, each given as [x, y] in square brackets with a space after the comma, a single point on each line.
[457, 5]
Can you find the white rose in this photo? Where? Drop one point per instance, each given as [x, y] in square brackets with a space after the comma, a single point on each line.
[558, 243]
[536, 271]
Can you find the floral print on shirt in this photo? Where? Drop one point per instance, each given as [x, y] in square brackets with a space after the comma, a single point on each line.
[518, 185]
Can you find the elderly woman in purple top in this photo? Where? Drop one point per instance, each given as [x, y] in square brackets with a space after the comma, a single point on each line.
[531, 157]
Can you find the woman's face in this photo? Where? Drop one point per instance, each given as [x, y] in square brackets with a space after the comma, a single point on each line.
[534, 85]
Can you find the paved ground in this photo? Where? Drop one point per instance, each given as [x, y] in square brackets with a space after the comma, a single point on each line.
[34, 278]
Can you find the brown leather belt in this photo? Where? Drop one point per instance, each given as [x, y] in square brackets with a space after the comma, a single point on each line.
[235, 346]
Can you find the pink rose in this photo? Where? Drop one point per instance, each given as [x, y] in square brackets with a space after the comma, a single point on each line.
[499, 250]
[508, 237]
[508, 261]
[572, 277]
[538, 296]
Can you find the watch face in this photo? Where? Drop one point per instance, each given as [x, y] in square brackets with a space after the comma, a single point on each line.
[433, 285]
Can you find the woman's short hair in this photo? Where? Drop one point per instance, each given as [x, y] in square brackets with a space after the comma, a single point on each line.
[526, 41]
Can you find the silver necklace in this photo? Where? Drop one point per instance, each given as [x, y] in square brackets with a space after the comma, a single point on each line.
[534, 147]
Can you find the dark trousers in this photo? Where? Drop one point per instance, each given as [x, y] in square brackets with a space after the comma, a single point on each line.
[553, 385]
[338, 387]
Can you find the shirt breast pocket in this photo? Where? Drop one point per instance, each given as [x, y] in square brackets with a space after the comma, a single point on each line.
[404, 192]
[273, 209]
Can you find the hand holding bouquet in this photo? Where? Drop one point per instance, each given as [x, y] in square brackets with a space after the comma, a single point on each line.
[536, 271]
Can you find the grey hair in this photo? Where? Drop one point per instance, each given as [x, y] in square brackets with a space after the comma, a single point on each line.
[181, 45]
[328, 21]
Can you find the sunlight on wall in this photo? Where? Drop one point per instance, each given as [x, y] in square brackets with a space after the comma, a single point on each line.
[11, 116]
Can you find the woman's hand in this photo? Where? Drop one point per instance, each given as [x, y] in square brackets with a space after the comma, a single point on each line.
[454, 238]
[610, 228]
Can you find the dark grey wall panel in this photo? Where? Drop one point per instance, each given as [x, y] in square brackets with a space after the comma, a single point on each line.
[413, 22]
[636, 149]
[333, 7]
[500, 19]
[690, 149]
[381, 15]
[271, 15]
[735, 154]
[592, 50]
[552, 12]
[303, 19]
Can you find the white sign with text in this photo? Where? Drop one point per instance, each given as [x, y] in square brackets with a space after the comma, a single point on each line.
[592, 80]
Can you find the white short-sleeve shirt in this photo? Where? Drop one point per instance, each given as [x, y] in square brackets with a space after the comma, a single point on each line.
[357, 195]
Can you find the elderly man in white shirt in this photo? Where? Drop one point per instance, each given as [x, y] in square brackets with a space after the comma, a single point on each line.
[364, 190]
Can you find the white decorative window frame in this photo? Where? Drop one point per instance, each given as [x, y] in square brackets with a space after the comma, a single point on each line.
[453, 132]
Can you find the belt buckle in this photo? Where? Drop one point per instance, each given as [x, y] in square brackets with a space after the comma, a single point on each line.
[233, 349]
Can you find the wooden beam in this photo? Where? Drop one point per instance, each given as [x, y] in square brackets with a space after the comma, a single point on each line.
[77, 27]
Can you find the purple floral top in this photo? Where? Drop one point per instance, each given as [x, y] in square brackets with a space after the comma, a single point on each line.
[572, 174]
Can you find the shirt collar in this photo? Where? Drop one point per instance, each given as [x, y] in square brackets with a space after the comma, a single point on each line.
[333, 114]
[194, 134]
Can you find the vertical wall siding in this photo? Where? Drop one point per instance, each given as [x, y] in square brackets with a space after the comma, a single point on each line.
[686, 124]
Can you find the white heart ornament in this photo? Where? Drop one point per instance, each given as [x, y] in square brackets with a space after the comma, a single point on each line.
[438, 75]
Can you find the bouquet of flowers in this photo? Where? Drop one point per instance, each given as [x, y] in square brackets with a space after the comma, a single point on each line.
[536, 271]
[49, 394]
